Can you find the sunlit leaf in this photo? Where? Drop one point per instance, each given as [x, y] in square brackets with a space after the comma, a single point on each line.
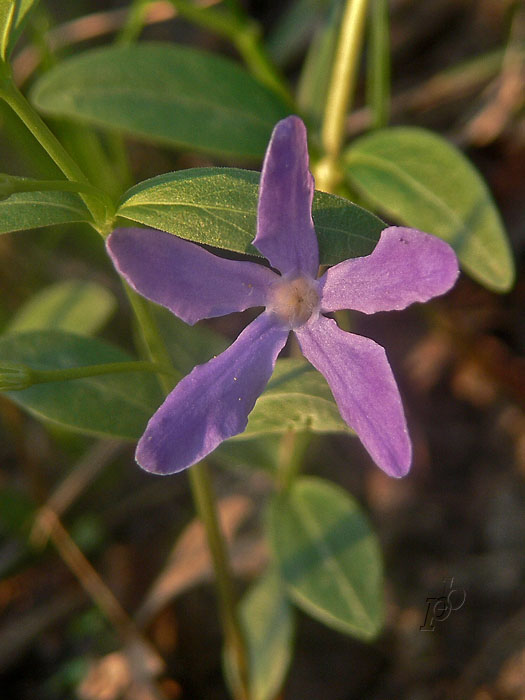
[425, 182]
[297, 398]
[218, 206]
[28, 210]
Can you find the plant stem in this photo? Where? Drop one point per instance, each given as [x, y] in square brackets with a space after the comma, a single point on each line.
[204, 500]
[60, 375]
[11, 184]
[205, 503]
[18, 103]
[378, 68]
[342, 86]
[292, 449]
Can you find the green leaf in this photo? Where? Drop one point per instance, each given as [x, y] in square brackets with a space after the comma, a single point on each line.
[260, 452]
[115, 405]
[7, 11]
[170, 94]
[74, 305]
[297, 398]
[28, 210]
[218, 207]
[328, 556]
[423, 181]
[23, 8]
[267, 621]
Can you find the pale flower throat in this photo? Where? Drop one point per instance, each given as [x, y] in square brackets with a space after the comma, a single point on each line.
[294, 300]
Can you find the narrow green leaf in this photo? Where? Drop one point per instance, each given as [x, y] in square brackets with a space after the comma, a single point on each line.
[28, 210]
[115, 405]
[297, 398]
[166, 93]
[423, 181]
[218, 207]
[23, 9]
[328, 556]
[76, 306]
[7, 11]
[267, 621]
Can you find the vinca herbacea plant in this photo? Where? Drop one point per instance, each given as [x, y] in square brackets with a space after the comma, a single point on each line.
[213, 402]
[173, 185]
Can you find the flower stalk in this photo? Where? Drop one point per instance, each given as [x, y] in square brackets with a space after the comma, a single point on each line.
[18, 103]
[340, 92]
[204, 500]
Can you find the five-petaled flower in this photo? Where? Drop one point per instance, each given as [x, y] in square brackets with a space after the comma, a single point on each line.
[212, 403]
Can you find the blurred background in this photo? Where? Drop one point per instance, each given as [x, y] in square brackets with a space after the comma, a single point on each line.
[74, 508]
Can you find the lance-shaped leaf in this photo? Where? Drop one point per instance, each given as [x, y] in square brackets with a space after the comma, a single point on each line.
[169, 94]
[267, 619]
[76, 306]
[27, 210]
[328, 556]
[115, 405]
[218, 207]
[425, 182]
[297, 398]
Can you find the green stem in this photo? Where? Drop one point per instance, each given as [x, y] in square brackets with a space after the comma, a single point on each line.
[204, 500]
[340, 92]
[18, 103]
[153, 341]
[378, 66]
[205, 503]
[291, 453]
[60, 375]
[10, 184]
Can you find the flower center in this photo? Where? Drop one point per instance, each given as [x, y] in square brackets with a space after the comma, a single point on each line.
[294, 300]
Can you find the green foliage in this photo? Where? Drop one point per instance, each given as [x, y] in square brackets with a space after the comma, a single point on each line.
[252, 452]
[113, 405]
[174, 95]
[423, 181]
[187, 345]
[218, 206]
[7, 11]
[76, 306]
[267, 621]
[28, 210]
[21, 15]
[328, 556]
[297, 398]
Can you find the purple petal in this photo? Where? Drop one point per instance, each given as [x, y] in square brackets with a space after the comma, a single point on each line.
[405, 266]
[185, 278]
[364, 388]
[285, 230]
[213, 402]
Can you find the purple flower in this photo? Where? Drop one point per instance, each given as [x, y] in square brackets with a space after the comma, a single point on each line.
[212, 403]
